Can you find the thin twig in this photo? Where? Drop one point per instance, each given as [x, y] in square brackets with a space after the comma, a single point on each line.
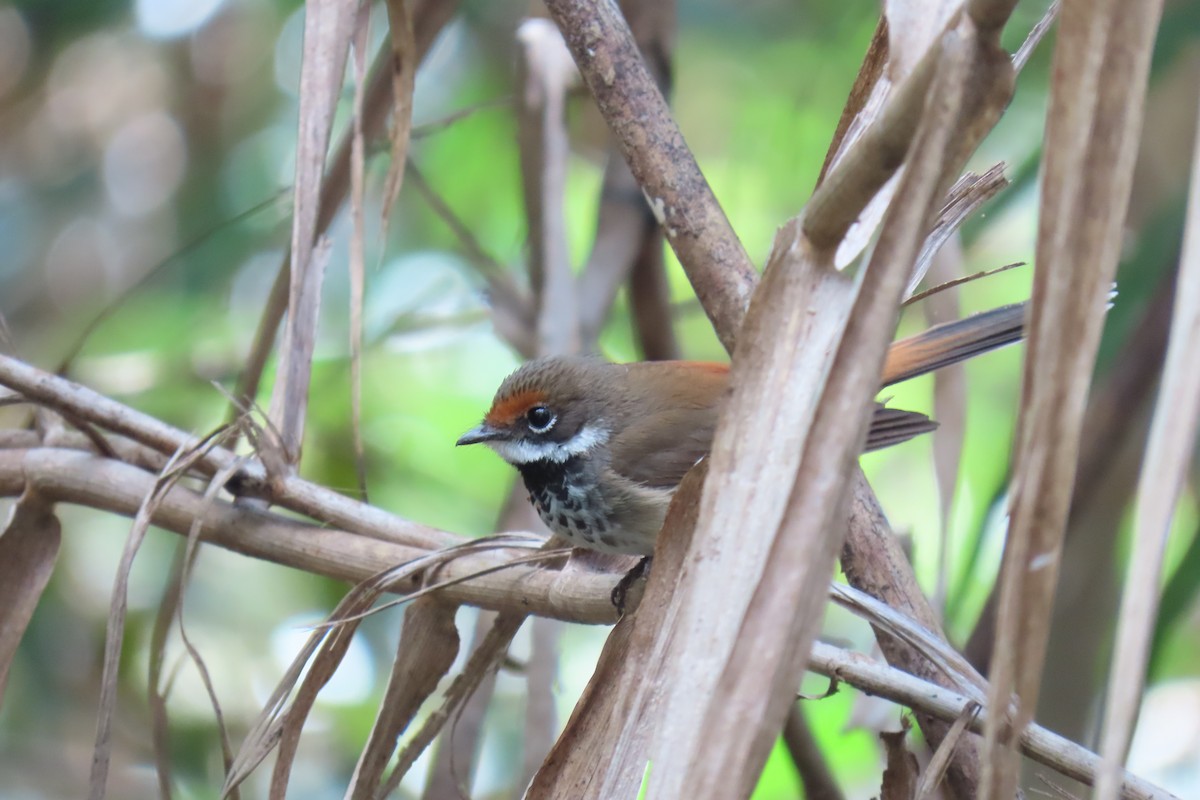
[114, 305]
[358, 242]
[1036, 742]
[815, 774]
[427, 129]
[429, 16]
[1036, 34]
[288, 491]
[512, 308]
[987, 273]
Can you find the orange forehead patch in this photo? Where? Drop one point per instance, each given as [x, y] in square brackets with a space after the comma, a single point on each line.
[507, 409]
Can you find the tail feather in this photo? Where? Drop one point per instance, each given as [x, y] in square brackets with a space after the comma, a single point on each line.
[952, 342]
[940, 346]
[892, 426]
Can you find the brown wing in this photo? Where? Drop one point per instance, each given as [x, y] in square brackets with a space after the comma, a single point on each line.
[668, 431]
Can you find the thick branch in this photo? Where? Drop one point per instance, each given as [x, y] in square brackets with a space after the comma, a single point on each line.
[871, 161]
[79, 477]
[290, 492]
[629, 242]
[1102, 55]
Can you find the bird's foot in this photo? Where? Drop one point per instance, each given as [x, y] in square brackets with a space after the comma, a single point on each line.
[620, 592]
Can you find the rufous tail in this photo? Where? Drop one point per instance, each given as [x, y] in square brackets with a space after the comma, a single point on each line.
[952, 342]
[940, 346]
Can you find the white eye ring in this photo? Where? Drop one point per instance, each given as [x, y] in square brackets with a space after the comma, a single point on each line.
[540, 419]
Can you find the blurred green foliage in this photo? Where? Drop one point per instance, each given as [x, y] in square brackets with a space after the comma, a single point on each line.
[758, 91]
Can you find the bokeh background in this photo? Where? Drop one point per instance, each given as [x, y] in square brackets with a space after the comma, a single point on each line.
[146, 155]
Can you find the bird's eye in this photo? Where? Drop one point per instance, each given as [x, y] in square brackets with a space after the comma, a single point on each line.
[540, 419]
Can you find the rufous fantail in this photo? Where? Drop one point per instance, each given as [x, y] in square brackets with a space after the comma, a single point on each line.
[602, 446]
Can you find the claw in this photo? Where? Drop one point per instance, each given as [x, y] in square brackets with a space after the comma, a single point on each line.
[620, 592]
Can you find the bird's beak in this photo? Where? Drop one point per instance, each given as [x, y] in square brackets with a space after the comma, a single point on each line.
[482, 432]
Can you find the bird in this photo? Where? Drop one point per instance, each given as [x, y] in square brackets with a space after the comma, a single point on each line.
[602, 446]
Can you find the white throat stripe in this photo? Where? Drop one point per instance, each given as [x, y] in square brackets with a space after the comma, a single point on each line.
[525, 452]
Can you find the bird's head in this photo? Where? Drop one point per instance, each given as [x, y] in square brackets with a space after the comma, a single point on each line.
[548, 410]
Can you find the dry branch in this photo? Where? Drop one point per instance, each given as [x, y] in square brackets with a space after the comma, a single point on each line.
[940, 762]
[1099, 77]
[854, 189]
[312, 500]
[755, 456]
[681, 199]
[541, 719]
[406, 56]
[481, 664]
[622, 219]
[1036, 742]
[328, 28]
[732, 667]
[74, 476]
[629, 242]
[650, 302]
[429, 17]
[426, 651]
[870, 162]
[29, 543]
[875, 563]
[869, 74]
[455, 754]
[81, 478]
[1164, 473]
[357, 266]
[546, 73]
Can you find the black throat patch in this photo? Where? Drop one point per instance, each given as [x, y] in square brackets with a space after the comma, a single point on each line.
[567, 498]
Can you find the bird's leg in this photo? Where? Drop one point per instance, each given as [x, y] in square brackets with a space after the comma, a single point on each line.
[621, 591]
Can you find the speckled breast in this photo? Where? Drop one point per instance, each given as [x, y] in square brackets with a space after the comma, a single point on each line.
[570, 502]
